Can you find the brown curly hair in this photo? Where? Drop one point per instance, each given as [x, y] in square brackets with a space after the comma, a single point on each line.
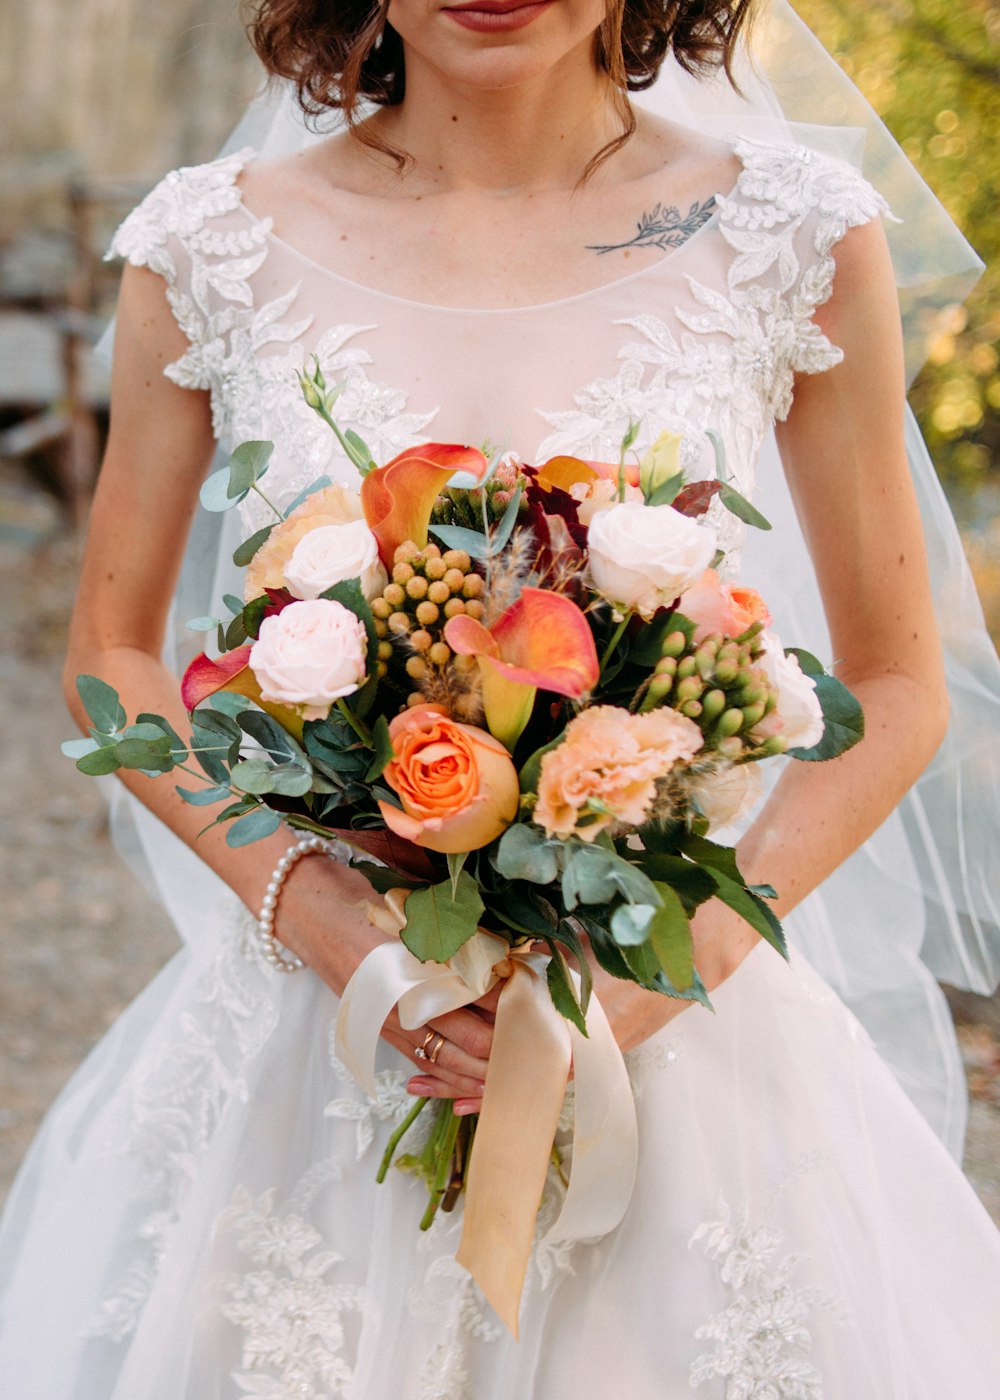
[341, 54]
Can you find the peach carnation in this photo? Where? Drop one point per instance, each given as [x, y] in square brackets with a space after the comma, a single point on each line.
[334, 505]
[606, 770]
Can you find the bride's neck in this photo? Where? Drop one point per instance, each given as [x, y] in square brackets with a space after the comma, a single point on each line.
[537, 135]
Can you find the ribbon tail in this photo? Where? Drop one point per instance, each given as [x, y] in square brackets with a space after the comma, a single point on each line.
[525, 1088]
[368, 998]
[605, 1135]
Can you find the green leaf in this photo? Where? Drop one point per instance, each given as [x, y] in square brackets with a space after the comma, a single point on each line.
[562, 991]
[244, 552]
[752, 909]
[739, 506]
[458, 537]
[214, 494]
[255, 826]
[247, 465]
[523, 911]
[203, 797]
[565, 933]
[705, 852]
[667, 492]
[77, 748]
[202, 624]
[383, 749]
[234, 604]
[177, 745]
[594, 875]
[438, 922]
[229, 703]
[811, 665]
[102, 704]
[320, 484]
[381, 878]
[503, 532]
[670, 939]
[692, 884]
[644, 965]
[526, 853]
[843, 719]
[532, 770]
[630, 923]
[266, 730]
[348, 593]
[646, 646]
[363, 459]
[148, 755]
[99, 762]
[456, 863]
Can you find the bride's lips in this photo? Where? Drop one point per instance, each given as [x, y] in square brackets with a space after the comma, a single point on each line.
[497, 16]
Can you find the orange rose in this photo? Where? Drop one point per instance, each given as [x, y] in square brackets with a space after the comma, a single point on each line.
[334, 505]
[715, 606]
[457, 784]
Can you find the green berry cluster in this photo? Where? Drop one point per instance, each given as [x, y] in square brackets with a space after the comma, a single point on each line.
[426, 589]
[719, 684]
[458, 507]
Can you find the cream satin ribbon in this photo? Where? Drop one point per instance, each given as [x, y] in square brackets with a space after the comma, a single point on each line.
[533, 1046]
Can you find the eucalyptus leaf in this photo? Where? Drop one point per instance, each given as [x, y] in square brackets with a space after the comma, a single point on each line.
[148, 755]
[229, 703]
[255, 826]
[202, 624]
[503, 532]
[244, 552]
[234, 604]
[214, 494]
[99, 762]
[438, 922]
[102, 704]
[253, 775]
[203, 797]
[630, 923]
[739, 506]
[320, 484]
[526, 853]
[247, 465]
[458, 537]
[76, 748]
[594, 875]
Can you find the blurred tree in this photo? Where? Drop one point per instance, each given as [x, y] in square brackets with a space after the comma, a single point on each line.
[931, 69]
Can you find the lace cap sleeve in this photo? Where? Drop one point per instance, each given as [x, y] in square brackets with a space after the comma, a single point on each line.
[183, 231]
[791, 206]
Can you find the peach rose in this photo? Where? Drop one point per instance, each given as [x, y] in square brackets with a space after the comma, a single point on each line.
[715, 606]
[457, 784]
[334, 505]
[607, 768]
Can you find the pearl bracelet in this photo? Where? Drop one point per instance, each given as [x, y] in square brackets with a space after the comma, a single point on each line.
[265, 923]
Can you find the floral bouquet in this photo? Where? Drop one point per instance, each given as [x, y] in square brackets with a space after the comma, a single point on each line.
[538, 677]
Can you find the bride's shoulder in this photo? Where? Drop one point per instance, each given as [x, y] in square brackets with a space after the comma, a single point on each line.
[179, 209]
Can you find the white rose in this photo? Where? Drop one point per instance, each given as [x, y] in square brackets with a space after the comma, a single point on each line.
[331, 553]
[728, 794]
[309, 655]
[798, 707]
[644, 557]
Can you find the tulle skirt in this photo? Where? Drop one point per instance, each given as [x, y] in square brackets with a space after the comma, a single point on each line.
[199, 1220]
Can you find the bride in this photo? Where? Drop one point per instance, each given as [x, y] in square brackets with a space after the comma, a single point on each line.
[502, 249]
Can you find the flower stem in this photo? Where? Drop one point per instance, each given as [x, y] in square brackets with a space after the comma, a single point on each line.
[393, 1143]
[445, 1149]
[267, 502]
[616, 637]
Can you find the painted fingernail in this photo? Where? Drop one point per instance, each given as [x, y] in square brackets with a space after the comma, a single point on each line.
[463, 1108]
[418, 1086]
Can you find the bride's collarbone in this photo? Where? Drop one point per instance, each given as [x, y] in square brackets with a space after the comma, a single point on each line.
[474, 247]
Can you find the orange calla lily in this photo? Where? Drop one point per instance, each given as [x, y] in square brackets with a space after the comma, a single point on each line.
[205, 677]
[398, 498]
[566, 472]
[541, 642]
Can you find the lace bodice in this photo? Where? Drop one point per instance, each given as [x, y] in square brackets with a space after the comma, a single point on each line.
[708, 337]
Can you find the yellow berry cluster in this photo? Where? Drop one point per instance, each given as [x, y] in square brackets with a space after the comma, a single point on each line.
[426, 589]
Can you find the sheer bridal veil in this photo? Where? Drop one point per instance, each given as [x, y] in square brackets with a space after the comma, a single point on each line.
[921, 899]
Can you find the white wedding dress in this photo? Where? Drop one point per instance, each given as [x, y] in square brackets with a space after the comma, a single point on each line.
[199, 1218]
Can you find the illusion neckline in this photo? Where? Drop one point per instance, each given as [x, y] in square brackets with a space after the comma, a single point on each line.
[720, 198]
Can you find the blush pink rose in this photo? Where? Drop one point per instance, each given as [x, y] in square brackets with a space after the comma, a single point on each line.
[309, 655]
[458, 785]
[715, 606]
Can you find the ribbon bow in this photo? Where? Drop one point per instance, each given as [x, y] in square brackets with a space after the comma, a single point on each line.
[533, 1047]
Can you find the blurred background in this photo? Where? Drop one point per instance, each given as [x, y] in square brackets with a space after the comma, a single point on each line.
[97, 99]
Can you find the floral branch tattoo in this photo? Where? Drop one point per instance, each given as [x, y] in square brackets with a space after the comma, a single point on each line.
[663, 227]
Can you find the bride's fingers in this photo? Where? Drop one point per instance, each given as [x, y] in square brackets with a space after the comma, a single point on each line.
[433, 1083]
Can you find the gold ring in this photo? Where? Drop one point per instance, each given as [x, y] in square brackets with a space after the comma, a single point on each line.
[436, 1050]
[421, 1050]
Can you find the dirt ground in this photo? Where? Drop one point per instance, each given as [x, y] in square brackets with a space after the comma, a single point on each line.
[80, 937]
